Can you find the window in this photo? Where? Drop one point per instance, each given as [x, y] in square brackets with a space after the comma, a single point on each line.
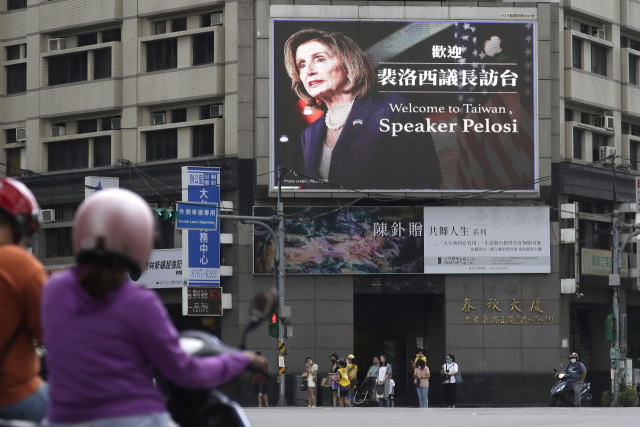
[58, 242]
[67, 68]
[162, 55]
[633, 69]
[179, 24]
[205, 112]
[111, 35]
[624, 129]
[66, 155]
[88, 126]
[16, 78]
[102, 151]
[162, 145]
[205, 20]
[635, 130]
[568, 115]
[585, 118]
[179, 115]
[577, 53]
[10, 136]
[87, 39]
[202, 140]
[597, 141]
[13, 161]
[160, 27]
[634, 44]
[16, 4]
[106, 123]
[102, 63]
[203, 49]
[598, 59]
[633, 154]
[13, 52]
[584, 29]
[577, 143]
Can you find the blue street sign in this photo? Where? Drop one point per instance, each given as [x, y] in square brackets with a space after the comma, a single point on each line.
[201, 185]
[197, 217]
[203, 258]
[201, 251]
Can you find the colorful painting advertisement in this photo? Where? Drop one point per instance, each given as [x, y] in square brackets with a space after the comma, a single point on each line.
[353, 240]
[403, 105]
[391, 240]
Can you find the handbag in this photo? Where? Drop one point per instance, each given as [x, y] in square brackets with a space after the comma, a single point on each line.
[380, 389]
[458, 377]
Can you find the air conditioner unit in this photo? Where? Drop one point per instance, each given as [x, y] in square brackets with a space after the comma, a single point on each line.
[21, 134]
[568, 24]
[605, 122]
[159, 118]
[606, 152]
[57, 44]
[215, 111]
[51, 215]
[216, 19]
[115, 124]
[599, 33]
[58, 131]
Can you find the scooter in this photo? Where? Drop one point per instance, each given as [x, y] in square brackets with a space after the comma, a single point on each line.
[206, 407]
[562, 393]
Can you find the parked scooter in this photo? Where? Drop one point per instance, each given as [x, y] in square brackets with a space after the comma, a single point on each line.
[562, 393]
[206, 407]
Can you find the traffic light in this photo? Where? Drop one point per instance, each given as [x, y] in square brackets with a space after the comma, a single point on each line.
[611, 328]
[274, 325]
[166, 214]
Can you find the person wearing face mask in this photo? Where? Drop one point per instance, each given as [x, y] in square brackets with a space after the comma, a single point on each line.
[312, 370]
[333, 372]
[448, 373]
[577, 373]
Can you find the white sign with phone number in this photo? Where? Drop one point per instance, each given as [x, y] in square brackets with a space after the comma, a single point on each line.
[164, 269]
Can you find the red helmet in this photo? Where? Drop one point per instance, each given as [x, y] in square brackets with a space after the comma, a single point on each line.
[20, 203]
[114, 225]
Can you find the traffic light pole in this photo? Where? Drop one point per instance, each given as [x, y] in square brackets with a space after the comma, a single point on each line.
[280, 267]
[616, 288]
[278, 239]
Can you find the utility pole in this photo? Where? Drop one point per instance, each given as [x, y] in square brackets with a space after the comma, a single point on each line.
[278, 240]
[280, 243]
[615, 281]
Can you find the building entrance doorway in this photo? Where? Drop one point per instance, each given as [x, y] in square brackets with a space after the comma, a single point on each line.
[395, 325]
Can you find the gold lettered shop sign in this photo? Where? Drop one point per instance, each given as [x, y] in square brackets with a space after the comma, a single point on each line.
[513, 315]
[596, 262]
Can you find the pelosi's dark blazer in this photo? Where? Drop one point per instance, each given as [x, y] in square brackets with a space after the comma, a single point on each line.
[368, 159]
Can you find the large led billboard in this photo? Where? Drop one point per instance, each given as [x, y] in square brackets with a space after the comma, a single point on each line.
[403, 105]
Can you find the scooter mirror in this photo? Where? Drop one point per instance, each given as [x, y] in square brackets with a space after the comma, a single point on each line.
[262, 306]
[555, 369]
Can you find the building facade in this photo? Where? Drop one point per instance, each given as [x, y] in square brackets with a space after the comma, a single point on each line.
[136, 89]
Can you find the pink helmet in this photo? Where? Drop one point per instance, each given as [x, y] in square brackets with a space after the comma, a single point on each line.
[114, 225]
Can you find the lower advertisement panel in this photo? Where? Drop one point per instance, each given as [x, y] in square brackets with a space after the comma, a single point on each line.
[405, 240]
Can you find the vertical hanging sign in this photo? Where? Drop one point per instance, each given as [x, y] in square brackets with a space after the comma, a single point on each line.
[200, 247]
[637, 222]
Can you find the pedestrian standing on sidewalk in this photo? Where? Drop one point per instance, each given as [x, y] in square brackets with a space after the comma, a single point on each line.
[392, 390]
[448, 373]
[23, 393]
[353, 373]
[384, 377]
[343, 383]
[419, 356]
[260, 385]
[422, 383]
[312, 380]
[333, 372]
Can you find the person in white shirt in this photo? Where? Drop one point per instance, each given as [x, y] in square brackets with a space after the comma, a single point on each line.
[384, 380]
[392, 389]
[312, 370]
[448, 373]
